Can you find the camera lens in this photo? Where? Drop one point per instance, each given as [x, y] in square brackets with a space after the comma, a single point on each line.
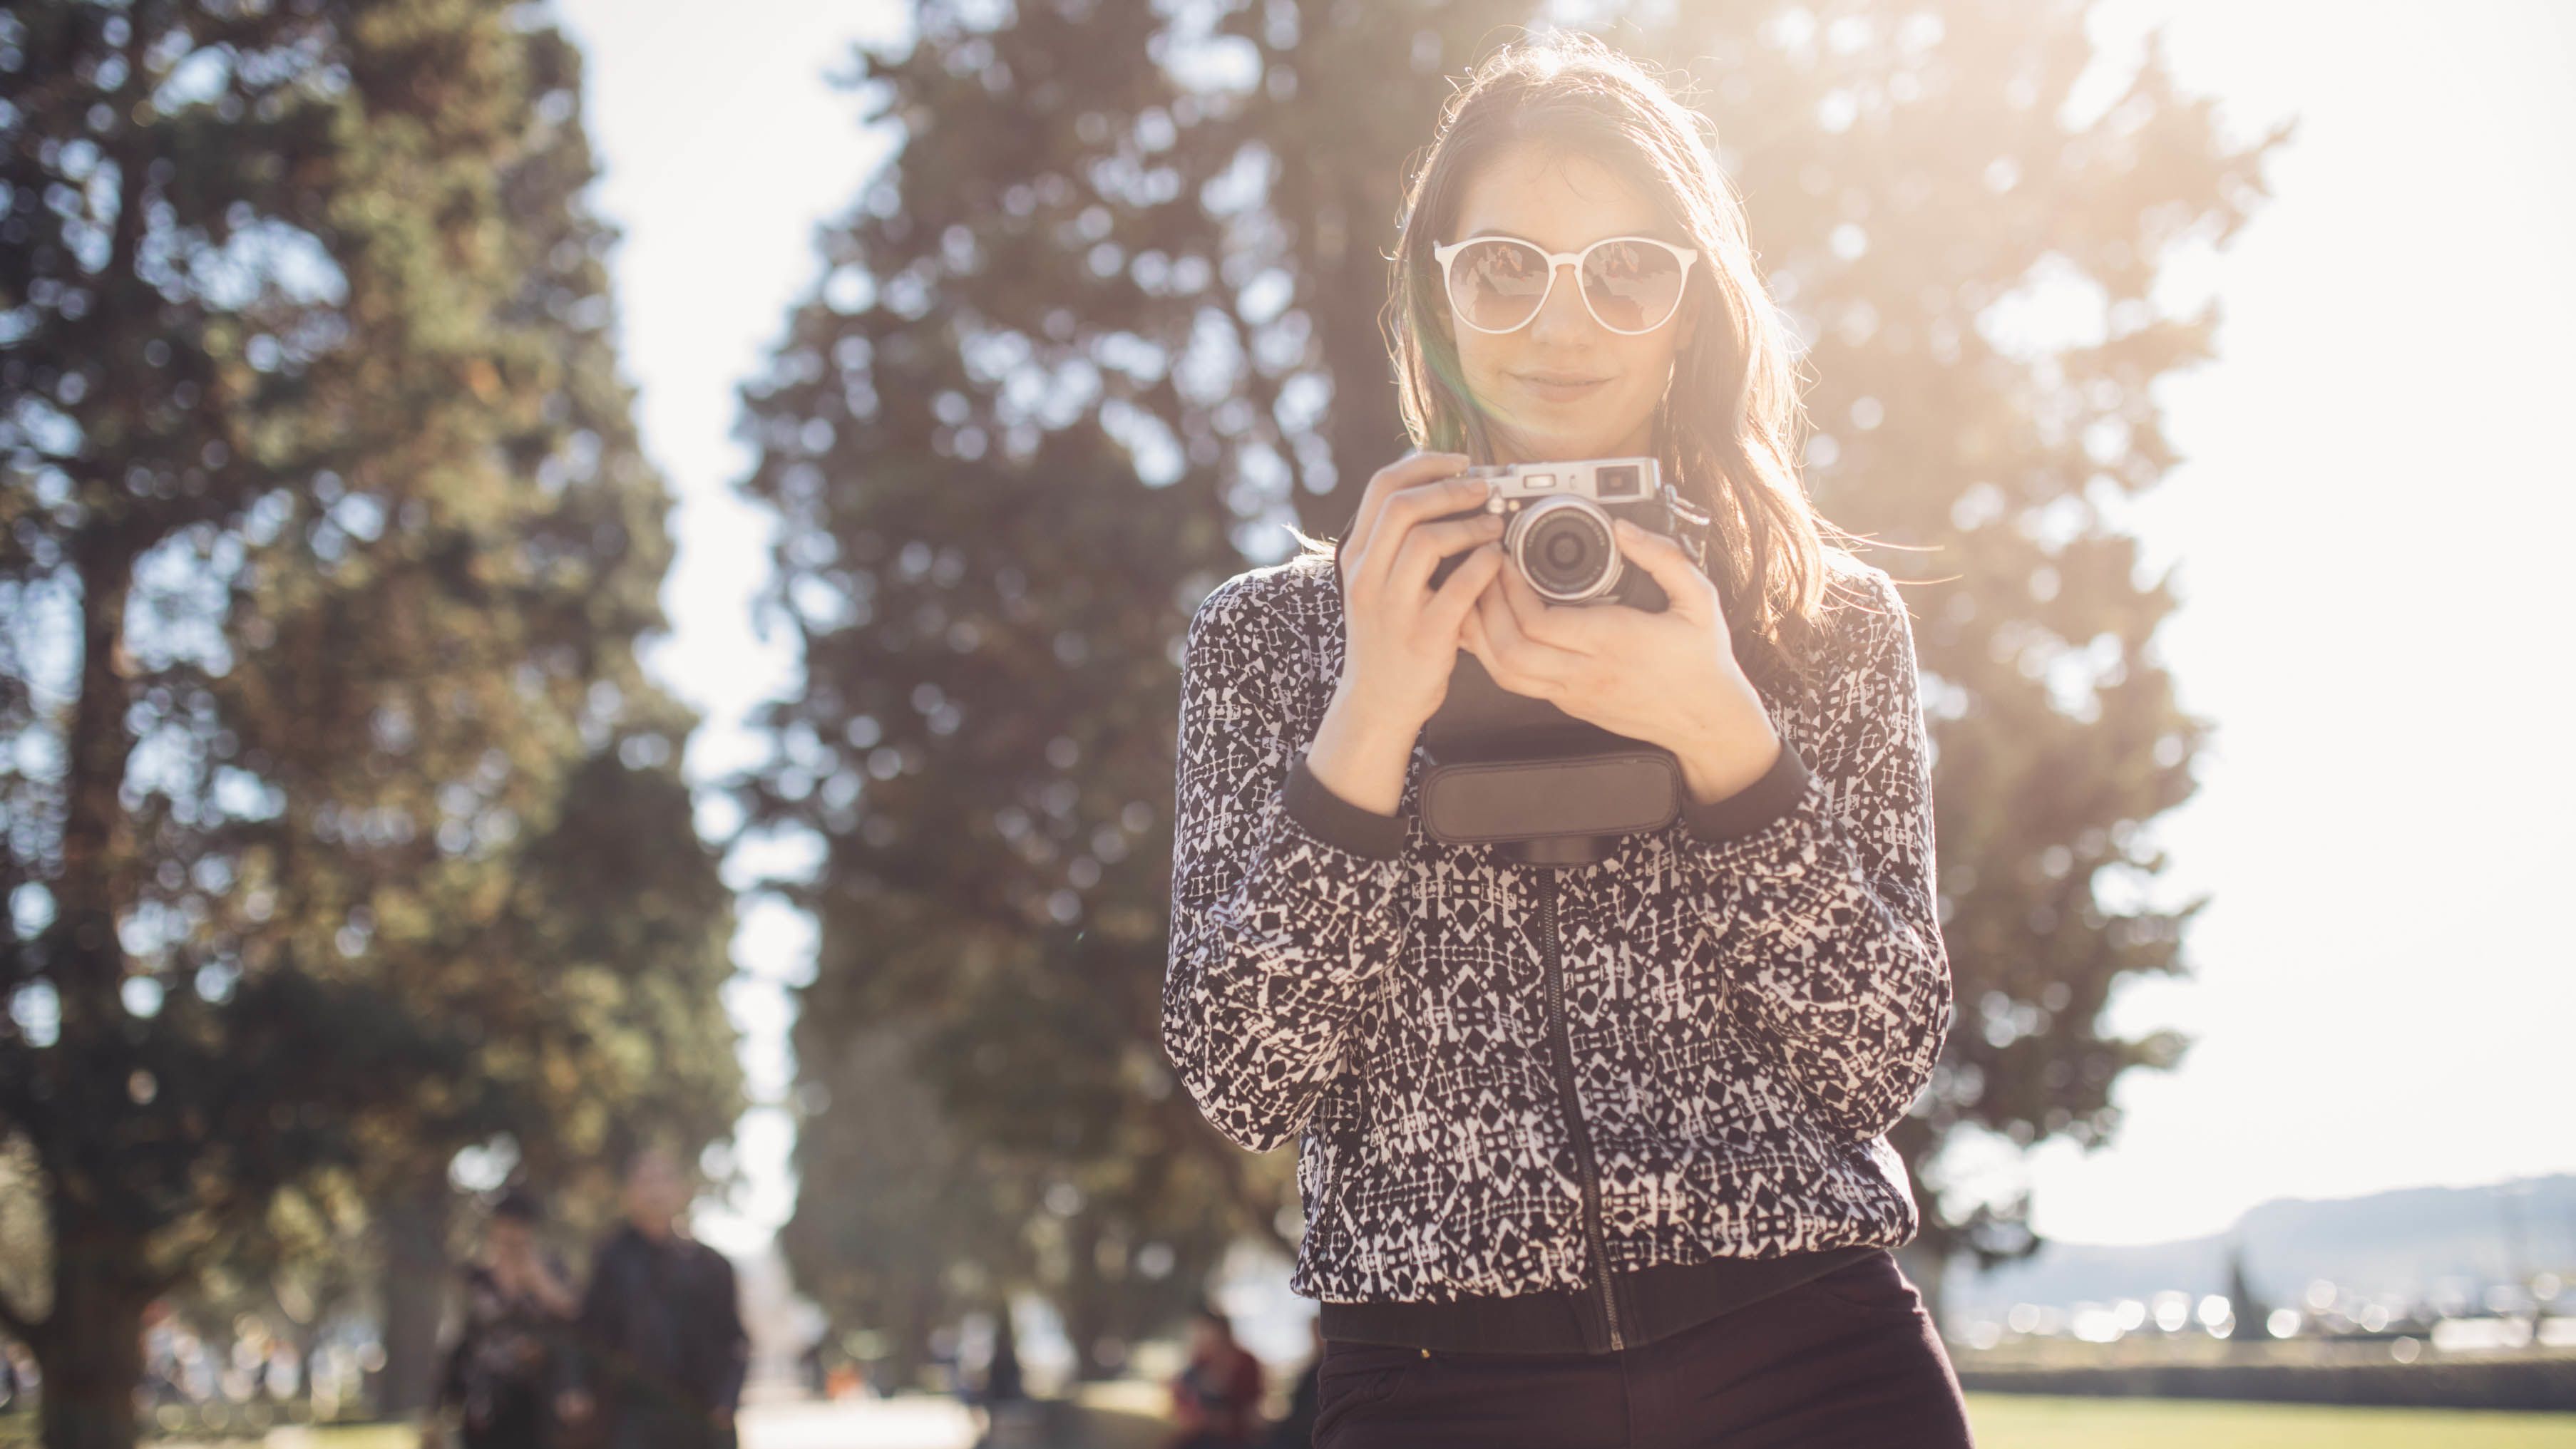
[1565, 550]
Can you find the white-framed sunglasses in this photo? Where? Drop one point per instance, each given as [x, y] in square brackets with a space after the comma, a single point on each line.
[1630, 284]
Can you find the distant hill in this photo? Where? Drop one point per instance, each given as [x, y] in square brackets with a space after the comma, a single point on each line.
[2429, 1244]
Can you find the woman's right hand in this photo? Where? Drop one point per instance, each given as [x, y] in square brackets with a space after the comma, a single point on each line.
[1401, 635]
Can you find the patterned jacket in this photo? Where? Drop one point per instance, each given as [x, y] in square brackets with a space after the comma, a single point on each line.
[1502, 1077]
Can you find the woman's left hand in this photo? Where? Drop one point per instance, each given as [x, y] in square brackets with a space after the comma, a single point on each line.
[1668, 679]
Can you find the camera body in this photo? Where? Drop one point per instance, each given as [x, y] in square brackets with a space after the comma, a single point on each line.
[1557, 528]
[1518, 773]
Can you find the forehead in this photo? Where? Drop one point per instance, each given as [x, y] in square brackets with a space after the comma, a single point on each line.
[1562, 200]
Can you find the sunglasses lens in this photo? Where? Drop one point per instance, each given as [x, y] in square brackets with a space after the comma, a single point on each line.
[1632, 286]
[1497, 285]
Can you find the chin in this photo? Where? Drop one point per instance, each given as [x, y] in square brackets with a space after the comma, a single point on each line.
[1567, 447]
[1569, 438]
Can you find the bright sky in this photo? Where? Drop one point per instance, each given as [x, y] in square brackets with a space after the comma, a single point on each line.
[2382, 997]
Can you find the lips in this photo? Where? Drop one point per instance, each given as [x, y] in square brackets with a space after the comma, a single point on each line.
[1559, 385]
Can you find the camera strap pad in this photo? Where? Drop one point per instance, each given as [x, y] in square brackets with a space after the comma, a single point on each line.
[1598, 793]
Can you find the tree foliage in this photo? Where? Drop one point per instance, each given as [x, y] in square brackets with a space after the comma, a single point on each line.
[324, 546]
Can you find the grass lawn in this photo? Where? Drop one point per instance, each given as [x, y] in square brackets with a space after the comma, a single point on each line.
[2036, 1421]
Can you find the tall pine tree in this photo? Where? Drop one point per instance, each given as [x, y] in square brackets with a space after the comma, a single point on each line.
[1010, 434]
[1113, 314]
[592, 989]
[326, 549]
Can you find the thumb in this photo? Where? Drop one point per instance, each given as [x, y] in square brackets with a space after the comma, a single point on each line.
[1693, 597]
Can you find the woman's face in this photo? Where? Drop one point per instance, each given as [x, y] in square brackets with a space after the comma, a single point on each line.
[1565, 387]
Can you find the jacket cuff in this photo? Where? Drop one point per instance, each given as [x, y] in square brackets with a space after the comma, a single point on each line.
[1336, 821]
[1748, 810]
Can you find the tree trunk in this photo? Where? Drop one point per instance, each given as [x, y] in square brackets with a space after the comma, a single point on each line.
[91, 1347]
[1082, 1305]
[907, 1318]
[415, 1290]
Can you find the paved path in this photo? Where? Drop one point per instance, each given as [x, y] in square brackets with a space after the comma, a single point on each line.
[907, 1423]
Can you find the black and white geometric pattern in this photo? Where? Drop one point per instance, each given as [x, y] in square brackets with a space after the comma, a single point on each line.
[1747, 1014]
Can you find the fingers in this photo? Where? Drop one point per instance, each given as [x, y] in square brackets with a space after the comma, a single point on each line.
[1693, 596]
[1404, 472]
[1425, 545]
[1453, 604]
[1508, 664]
[1397, 516]
[1572, 627]
[1518, 662]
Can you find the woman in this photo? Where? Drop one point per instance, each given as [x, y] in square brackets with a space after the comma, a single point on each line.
[501, 1373]
[1593, 1154]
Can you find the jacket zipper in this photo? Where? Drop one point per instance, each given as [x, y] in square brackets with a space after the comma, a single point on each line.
[1591, 1172]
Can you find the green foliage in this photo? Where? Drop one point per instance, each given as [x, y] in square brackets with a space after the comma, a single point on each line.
[911, 1216]
[1111, 317]
[342, 828]
[989, 596]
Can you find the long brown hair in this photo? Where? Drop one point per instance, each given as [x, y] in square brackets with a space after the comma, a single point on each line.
[1726, 429]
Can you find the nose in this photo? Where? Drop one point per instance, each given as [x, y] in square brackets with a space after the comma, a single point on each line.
[1563, 313]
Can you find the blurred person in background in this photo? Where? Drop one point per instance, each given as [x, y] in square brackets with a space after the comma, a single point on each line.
[496, 1387]
[998, 1401]
[659, 1347]
[1600, 1137]
[1216, 1398]
[1003, 1381]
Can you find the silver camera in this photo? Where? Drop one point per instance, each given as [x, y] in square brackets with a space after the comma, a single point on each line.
[1558, 534]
